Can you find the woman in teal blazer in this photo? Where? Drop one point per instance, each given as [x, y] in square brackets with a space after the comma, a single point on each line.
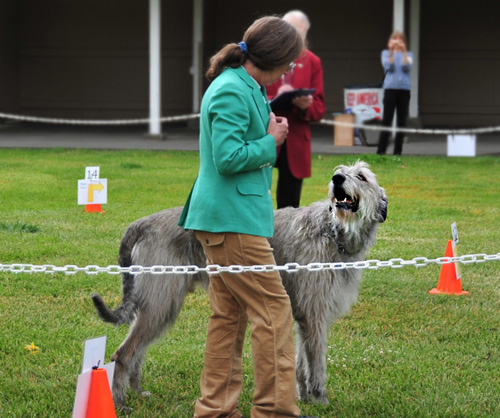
[237, 154]
[231, 211]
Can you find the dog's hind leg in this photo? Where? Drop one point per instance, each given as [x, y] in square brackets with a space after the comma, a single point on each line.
[129, 356]
[160, 299]
[312, 335]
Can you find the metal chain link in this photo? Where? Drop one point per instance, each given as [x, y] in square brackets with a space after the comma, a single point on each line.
[215, 268]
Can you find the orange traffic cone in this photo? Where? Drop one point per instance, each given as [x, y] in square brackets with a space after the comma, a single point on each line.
[448, 282]
[95, 207]
[100, 403]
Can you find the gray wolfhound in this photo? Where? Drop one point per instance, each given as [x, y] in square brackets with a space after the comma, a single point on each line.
[339, 229]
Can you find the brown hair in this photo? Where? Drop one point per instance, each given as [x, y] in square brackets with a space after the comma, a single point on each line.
[398, 34]
[271, 43]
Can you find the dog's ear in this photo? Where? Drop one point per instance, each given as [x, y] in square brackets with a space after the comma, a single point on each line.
[383, 209]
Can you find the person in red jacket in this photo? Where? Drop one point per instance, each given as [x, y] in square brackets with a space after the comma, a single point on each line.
[294, 156]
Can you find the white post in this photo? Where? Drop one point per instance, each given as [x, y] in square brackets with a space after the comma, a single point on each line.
[398, 19]
[415, 49]
[196, 69]
[398, 23]
[154, 67]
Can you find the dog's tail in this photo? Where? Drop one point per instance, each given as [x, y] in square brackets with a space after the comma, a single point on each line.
[125, 313]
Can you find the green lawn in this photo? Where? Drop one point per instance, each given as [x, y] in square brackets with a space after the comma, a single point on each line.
[400, 352]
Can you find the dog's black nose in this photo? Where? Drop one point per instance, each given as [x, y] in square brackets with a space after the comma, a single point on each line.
[338, 179]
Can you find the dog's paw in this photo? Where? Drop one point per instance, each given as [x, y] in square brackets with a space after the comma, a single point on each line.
[125, 410]
[322, 400]
[319, 396]
[302, 392]
[146, 394]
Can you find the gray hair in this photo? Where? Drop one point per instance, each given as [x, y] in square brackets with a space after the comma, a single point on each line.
[299, 14]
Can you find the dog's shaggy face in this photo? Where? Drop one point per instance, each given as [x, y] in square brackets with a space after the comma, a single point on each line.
[350, 191]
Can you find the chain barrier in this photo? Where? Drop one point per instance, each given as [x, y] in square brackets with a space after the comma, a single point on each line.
[215, 268]
[471, 131]
[181, 118]
[96, 122]
[212, 269]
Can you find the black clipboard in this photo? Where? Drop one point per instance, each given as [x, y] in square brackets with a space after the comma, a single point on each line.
[284, 100]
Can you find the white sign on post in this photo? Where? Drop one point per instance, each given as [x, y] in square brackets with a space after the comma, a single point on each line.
[454, 232]
[93, 357]
[365, 103]
[92, 190]
[461, 145]
[454, 244]
[92, 173]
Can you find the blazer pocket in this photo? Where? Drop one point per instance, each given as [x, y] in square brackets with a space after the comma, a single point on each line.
[251, 189]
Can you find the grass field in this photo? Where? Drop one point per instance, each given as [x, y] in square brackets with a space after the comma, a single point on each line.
[400, 352]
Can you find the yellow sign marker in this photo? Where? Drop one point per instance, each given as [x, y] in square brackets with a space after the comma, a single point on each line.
[93, 188]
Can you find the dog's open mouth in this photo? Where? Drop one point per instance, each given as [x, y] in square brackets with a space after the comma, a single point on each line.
[344, 201]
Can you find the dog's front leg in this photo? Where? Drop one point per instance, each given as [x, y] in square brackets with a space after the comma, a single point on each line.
[301, 366]
[314, 343]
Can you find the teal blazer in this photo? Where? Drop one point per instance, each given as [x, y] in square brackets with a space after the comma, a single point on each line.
[233, 190]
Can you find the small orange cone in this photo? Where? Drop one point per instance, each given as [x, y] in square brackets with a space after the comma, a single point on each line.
[448, 282]
[100, 403]
[95, 207]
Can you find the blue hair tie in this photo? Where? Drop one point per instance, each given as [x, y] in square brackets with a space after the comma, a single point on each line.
[243, 46]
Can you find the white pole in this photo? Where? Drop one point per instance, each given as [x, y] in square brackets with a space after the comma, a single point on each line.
[154, 67]
[196, 69]
[398, 22]
[415, 49]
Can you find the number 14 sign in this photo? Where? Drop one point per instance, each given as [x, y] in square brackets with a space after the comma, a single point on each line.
[92, 190]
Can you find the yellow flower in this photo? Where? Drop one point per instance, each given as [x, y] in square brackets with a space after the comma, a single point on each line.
[32, 348]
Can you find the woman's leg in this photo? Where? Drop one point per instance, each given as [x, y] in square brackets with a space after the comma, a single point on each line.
[264, 299]
[389, 108]
[403, 101]
[289, 188]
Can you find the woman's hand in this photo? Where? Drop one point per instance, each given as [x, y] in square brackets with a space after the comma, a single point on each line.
[397, 45]
[284, 88]
[303, 102]
[278, 128]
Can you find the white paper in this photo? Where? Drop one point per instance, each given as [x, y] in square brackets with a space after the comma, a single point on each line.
[93, 354]
[461, 145]
[110, 370]
[92, 173]
[92, 192]
[454, 232]
[82, 395]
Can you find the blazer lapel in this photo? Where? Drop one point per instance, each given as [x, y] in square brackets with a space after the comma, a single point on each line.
[258, 94]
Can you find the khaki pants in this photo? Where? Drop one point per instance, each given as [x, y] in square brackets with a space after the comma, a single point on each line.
[234, 299]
